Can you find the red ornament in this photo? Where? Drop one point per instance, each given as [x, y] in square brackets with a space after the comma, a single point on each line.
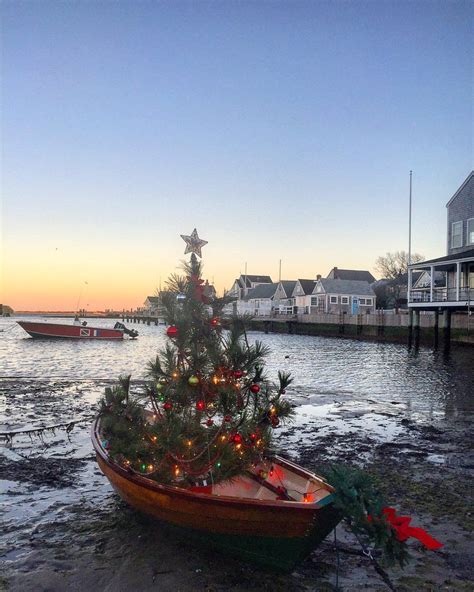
[283, 392]
[209, 422]
[215, 321]
[253, 437]
[168, 405]
[237, 439]
[172, 331]
[227, 418]
[238, 373]
[275, 421]
[200, 405]
[255, 388]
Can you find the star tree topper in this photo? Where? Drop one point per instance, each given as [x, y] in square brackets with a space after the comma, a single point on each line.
[193, 243]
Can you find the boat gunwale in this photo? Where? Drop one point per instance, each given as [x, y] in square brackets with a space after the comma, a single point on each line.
[166, 489]
[21, 323]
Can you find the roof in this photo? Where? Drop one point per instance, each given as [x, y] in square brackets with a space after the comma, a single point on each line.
[307, 285]
[402, 279]
[153, 299]
[469, 178]
[356, 287]
[288, 286]
[360, 275]
[261, 291]
[447, 258]
[258, 279]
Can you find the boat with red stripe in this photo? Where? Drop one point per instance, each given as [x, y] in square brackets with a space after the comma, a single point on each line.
[75, 331]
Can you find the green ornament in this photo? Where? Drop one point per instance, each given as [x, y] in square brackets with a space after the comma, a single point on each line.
[193, 380]
[159, 386]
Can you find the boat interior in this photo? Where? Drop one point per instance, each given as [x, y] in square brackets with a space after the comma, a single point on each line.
[277, 483]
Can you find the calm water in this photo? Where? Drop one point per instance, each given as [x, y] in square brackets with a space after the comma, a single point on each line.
[325, 369]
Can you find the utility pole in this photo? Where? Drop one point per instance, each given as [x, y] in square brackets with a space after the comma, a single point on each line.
[279, 272]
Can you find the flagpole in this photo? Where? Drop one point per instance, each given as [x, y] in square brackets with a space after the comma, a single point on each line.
[409, 222]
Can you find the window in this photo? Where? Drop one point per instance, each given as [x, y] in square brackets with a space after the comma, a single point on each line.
[368, 301]
[314, 301]
[470, 231]
[344, 299]
[361, 300]
[333, 299]
[456, 235]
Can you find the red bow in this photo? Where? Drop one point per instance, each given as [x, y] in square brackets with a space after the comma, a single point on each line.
[401, 525]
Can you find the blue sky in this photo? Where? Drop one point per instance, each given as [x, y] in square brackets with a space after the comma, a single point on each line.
[278, 129]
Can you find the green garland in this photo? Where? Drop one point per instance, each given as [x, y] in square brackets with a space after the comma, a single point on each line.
[362, 505]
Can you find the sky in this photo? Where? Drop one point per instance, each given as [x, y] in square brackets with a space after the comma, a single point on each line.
[280, 130]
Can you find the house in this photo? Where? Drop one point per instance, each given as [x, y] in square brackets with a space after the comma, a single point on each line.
[337, 296]
[244, 283]
[152, 306]
[455, 291]
[283, 298]
[394, 293]
[301, 296]
[351, 274]
[258, 301]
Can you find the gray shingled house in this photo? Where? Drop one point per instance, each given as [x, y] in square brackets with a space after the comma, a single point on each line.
[457, 266]
[336, 296]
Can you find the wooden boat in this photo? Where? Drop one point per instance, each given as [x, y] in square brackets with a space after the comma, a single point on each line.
[64, 331]
[245, 517]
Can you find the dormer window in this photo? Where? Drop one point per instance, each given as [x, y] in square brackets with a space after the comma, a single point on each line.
[456, 235]
[470, 231]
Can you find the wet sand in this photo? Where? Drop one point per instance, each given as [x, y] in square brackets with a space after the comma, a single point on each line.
[63, 528]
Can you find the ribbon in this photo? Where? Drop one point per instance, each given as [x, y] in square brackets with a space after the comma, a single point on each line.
[401, 525]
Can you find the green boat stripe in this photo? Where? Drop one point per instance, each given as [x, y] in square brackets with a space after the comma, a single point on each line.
[325, 501]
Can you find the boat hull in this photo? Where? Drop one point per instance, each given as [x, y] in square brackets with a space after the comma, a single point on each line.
[277, 533]
[60, 331]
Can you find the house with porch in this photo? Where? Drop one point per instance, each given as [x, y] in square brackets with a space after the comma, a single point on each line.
[451, 285]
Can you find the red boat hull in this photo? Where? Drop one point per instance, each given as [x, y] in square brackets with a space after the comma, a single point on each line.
[60, 331]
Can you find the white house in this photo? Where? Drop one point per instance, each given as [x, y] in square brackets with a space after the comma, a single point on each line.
[301, 295]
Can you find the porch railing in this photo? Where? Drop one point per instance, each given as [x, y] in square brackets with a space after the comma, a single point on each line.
[442, 295]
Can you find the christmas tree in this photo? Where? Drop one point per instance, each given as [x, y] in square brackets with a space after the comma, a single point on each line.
[210, 410]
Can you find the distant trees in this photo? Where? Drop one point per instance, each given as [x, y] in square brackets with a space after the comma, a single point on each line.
[393, 265]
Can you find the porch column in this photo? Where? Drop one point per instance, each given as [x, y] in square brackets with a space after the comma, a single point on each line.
[431, 282]
[458, 280]
[410, 272]
[417, 328]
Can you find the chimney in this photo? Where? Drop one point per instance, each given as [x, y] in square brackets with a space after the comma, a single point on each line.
[335, 273]
[318, 277]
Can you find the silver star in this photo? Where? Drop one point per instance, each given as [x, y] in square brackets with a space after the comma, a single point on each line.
[193, 243]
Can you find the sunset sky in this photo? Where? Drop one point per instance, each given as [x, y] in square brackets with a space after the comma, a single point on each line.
[280, 130]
